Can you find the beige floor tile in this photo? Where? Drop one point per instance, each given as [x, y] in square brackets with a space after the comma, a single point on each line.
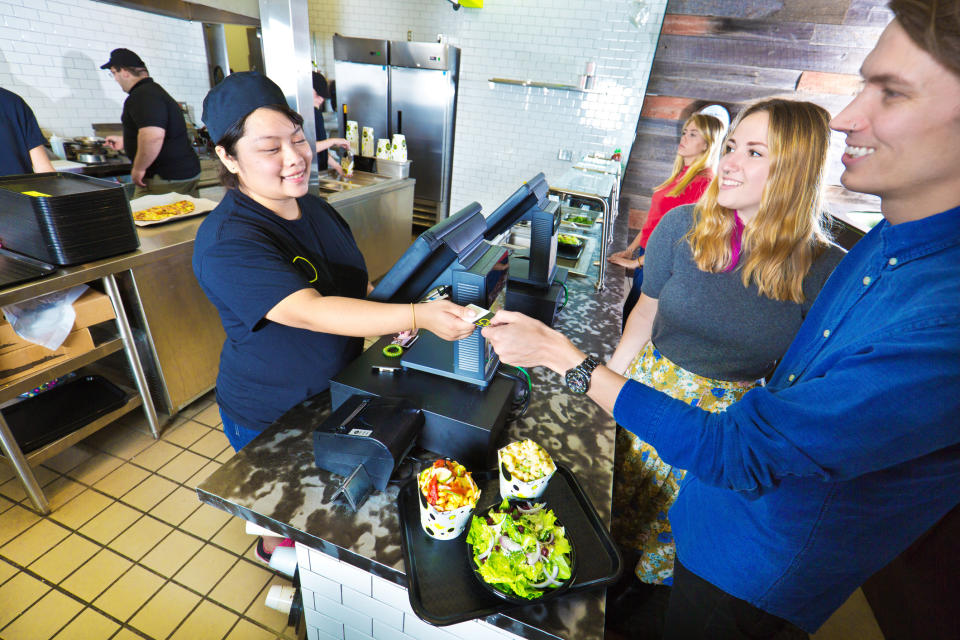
[141, 537]
[121, 480]
[205, 521]
[6, 472]
[120, 440]
[205, 569]
[234, 537]
[98, 573]
[110, 523]
[128, 594]
[15, 521]
[18, 593]
[34, 542]
[209, 416]
[177, 507]
[185, 433]
[7, 571]
[198, 405]
[207, 621]
[246, 630]
[14, 490]
[81, 509]
[226, 455]
[5, 504]
[240, 586]
[159, 617]
[43, 619]
[61, 491]
[853, 620]
[94, 468]
[211, 445]
[182, 467]
[172, 553]
[203, 474]
[260, 612]
[156, 455]
[89, 625]
[148, 493]
[69, 458]
[63, 559]
[126, 634]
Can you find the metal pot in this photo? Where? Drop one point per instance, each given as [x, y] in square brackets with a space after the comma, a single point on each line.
[91, 158]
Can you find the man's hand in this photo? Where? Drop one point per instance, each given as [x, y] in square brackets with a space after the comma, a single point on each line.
[137, 175]
[522, 341]
[114, 142]
[333, 164]
[625, 262]
[339, 142]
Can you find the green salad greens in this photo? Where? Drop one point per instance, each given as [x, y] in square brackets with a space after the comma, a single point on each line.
[520, 550]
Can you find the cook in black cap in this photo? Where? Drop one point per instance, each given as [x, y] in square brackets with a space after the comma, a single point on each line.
[321, 92]
[154, 131]
[282, 267]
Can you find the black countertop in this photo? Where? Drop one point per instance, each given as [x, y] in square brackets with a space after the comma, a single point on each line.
[274, 481]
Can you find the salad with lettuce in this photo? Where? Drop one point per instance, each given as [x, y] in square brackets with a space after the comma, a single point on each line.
[520, 550]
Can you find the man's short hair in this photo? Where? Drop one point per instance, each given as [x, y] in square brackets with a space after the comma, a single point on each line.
[136, 71]
[934, 26]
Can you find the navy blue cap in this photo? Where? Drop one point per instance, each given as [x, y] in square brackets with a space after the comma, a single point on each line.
[238, 95]
[123, 58]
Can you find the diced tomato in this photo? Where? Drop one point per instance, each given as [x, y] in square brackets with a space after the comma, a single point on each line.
[432, 491]
[439, 463]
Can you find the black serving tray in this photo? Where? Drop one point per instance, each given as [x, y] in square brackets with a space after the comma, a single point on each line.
[441, 583]
[569, 251]
[48, 416]
[15, 268]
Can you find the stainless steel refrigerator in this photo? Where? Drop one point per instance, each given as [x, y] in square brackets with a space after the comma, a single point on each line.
[408, 88]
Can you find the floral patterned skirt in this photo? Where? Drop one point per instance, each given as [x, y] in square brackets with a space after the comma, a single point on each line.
[645, 486]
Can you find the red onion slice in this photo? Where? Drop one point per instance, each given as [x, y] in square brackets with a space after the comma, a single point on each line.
[483, 556]
[536, 507]
[509, 545]
[551, 579]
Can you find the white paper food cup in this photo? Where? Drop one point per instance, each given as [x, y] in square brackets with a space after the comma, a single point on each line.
[366, 142]
[353, 136]
[444, 525]
[383, 149]
[398, 148]
[512, 487]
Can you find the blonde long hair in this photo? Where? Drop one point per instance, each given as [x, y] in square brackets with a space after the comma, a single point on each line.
[712, 131]
[786, 236]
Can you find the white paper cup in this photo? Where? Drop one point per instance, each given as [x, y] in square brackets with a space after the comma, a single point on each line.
[367, 142]
[444, 525]
[280, 597]
[353, 136]
[513, 487]
[383, 149]
[398, 148]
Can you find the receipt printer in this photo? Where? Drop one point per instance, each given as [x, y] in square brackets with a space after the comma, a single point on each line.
[374, 433]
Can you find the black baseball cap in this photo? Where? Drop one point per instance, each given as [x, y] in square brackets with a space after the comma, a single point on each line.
[238, 95]
[320, 85]
[123, 58]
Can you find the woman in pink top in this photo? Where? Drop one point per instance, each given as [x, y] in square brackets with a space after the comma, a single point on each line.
[692, 172]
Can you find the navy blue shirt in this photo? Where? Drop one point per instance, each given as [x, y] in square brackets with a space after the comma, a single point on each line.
[798, 493]
[19, 132]
[321, 135]
[148, 105]
[247, 259]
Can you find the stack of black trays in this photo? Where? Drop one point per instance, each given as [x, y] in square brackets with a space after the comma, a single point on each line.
[65, 218]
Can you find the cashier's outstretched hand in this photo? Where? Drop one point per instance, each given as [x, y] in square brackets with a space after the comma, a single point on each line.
[445, 319]
[523, 341]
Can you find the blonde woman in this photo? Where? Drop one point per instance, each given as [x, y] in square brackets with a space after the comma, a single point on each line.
[728, 284]
[693, 170]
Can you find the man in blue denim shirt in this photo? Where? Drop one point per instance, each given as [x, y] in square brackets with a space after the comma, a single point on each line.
[802, 490]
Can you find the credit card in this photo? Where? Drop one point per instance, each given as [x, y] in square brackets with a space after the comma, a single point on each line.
[483, 316]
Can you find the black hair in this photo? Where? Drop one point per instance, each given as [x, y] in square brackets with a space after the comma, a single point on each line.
[135, 71]
[235, 131]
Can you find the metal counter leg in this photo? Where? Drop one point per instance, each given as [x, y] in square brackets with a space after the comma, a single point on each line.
[130, 347]
[12, 451]
[606, 231]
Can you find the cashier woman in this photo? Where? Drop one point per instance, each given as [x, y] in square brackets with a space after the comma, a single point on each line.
[21, 143]
[282, 267]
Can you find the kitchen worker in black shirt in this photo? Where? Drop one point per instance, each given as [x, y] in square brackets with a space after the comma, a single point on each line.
[154, 131]
[321, 93]
[21, 143]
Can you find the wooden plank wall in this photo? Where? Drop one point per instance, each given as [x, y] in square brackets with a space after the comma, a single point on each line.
[732, 52]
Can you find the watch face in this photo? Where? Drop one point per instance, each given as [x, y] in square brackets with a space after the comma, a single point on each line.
[577, 380]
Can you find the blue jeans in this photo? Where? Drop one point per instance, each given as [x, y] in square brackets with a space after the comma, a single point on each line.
[238, 436]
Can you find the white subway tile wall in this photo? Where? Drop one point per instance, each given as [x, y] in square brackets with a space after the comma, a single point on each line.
[51, 52]
[506, 134]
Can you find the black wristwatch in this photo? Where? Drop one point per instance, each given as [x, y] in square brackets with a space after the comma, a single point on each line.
[578, 378]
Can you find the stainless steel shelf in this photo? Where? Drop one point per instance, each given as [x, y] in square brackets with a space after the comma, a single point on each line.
[28, 382]
[542, 85]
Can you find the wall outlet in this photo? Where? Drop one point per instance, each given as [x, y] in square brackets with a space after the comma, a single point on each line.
[565, 154]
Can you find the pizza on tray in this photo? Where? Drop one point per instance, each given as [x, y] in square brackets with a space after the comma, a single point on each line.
[164, 211]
